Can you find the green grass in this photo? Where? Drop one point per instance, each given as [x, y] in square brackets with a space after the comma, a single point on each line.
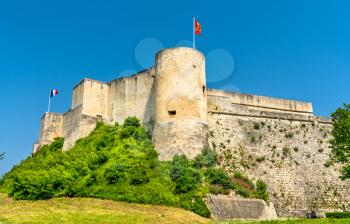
[119, 162]
[294, 221]
[91, 210]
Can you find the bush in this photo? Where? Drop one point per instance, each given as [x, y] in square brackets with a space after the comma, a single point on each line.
[261, 190]
[346, 172]
[132, 122]
[119, 162]
[200, 207]
[338, 215]
[115, 174]
[256, 126]
[217, 176]
[289, 135]
[185, 177]
[208, 158]
[340, 143]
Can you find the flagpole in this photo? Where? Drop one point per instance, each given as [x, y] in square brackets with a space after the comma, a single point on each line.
[193, 34]
[48, 108]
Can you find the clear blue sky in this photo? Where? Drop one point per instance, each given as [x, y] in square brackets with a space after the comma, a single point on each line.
[291, 49]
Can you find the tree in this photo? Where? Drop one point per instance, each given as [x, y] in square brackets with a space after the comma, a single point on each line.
[340, 143]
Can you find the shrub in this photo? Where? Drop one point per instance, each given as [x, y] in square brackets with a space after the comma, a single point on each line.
[340, 143]
[217, 176]
[328, 163]
[252, 139]
[185, 177]
[338, 215]
[207, 158]
[115, 174]
[119, 162]
[132, 122]
[261, 190]
[289, 135]
[244, 179]
[256, 126]
[346, 172]
[260, 159]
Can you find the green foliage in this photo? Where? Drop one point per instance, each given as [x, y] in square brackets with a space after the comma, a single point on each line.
[261, 190]
[252, 139]
[256, 126]
[289, 135]
[194, 202]
[219, 181]
[340, 143]
[260, 158]
[286, 151]
[208, 158]
[119, 162]
[132, 122]
[184, 175]
[338, 215]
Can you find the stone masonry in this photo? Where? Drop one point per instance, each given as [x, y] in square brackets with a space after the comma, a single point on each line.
[279, 141]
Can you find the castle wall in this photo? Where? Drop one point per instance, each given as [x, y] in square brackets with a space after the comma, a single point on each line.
[76, 125]
[180, 110]
[51, 127]
[278, 141]
[131, 96]
[287, 150]
[225, 207]
[92, 95]
[232, 101]
[78, 95]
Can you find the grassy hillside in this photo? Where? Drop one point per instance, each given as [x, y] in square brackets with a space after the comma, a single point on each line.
[119, 162]
[89, 210]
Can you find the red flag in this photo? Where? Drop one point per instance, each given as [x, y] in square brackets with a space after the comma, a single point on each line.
[197, 27]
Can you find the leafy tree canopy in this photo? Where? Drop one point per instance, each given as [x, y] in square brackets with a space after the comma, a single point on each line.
[340, 142]
[119, 162]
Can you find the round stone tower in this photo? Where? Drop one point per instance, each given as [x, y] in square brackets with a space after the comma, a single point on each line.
[180, 110]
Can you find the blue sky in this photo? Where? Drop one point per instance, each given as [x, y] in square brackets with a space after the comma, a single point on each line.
[294, 49]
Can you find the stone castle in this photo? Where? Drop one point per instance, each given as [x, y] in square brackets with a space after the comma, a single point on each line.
[279, 141]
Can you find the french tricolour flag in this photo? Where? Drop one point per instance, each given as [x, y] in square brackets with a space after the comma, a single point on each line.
[53, 92]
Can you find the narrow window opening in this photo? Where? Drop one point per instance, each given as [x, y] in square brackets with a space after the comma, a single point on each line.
[204, 90]
[172, 112]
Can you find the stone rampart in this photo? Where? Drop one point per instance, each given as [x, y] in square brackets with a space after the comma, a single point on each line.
[92, 95]
[51, 127]
[254, 102]
[76, 126]
[289, 150]
[279, 141]
[224, 207]
[131, 96]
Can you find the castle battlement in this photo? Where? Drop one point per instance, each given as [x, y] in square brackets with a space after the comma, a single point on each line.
[280, 141]
[170, 98]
